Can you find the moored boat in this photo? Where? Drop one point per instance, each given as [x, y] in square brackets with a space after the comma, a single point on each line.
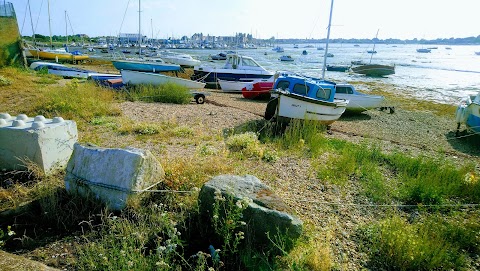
[236, 67]
[137, 78]
[183, 60]
[374, 69]
[424, 50]
[144, 65]
[338, 68]
[468, 113]
[358, 102]
[286, 58]
[298, 97]
[219, 56]
[258, 90]
[70, 72]
[56, 54]
[234, 85]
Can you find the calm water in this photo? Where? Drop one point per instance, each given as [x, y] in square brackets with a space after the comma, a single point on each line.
[443, 75]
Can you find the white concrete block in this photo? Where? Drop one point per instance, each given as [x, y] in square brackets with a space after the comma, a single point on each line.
[46, 142]
[112, 175]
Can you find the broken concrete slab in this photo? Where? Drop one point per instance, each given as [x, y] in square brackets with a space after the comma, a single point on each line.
[113, 176]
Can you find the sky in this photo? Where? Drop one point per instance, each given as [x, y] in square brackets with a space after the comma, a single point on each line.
[304, 19]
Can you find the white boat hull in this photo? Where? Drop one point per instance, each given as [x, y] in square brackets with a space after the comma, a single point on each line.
[190, 62]
[360, 103]
[136, 78]
[238, 85]
[294, 106]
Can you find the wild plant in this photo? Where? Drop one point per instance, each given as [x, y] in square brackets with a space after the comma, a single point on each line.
[246, 144]
[166, 93]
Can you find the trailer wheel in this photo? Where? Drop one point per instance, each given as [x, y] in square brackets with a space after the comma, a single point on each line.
[200, 98]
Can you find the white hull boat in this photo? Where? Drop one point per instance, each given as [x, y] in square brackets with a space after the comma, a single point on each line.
[180, 59]
[358, 102]
[136, 78]
[238, 85]
[303, 98]
[293, 106]
[236, 67]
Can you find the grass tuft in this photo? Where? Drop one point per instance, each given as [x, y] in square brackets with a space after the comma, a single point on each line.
[79, 101]
[166, 93]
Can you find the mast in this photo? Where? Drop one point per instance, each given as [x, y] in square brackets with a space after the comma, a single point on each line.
[373, 51]
[139, 31]
[49, 24]
[66, 31]
[31, 22]
[326, 45]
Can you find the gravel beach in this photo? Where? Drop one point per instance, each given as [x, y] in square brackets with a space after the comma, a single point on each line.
[292, 178]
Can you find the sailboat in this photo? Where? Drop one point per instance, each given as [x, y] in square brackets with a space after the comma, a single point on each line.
[60, 54]
[142, 65]
[300, 97]
[374, 69]
[317, 99]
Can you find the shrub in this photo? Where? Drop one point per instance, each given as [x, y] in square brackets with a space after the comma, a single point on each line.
[246, 144]
[304, 133]
[166, 93]
[77, 101]
[147, 239]
[4, 81]
[394, 244]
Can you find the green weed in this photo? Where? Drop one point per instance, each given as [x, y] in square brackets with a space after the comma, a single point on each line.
[4, 81]
[167, 93]
[395, 244]
[77, 101]
[246, 144]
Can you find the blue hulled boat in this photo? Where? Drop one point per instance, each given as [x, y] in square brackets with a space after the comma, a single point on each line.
[468, 113]
[155, 65]
[297, 97]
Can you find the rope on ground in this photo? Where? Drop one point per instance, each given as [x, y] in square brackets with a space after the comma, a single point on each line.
[388, 205]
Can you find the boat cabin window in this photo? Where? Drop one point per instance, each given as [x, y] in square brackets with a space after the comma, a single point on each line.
[249, 62]
[232, 63]
[344, 90]
[283, 85]
[300, 89]
[324, 93]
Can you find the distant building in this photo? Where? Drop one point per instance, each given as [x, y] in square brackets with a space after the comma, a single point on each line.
[124, 38]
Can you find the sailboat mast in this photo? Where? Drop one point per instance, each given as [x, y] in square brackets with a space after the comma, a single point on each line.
[49, 24]
[31, 22]
[139, 31]
[326, 45]
[373, 51]
[66, 30]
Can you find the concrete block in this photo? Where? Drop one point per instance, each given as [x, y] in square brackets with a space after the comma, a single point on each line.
[46, 142]
[112, 175]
